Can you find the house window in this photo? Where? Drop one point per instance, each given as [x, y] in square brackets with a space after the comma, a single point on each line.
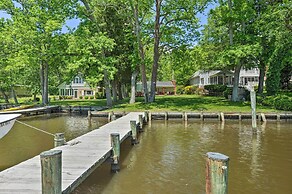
[202, 81]
[89, 93]
[77, 80]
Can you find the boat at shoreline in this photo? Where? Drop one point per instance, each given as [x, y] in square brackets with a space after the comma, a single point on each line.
[6, 123]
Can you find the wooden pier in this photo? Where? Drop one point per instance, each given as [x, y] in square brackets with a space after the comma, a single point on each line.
[202, 115]
[33, 111]
[80, 157]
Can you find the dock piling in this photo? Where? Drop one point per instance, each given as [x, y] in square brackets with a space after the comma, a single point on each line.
[146, 113]
[166, 116]
[222, 117]
[253, 108]
[216, 173]
[59, 139]
[115, 143]
[51, 170]
[141, 121]
[89, 114]
[201, 115]
[134, 132]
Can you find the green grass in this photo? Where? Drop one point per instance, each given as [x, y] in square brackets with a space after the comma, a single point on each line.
[190, 103]
[178, 103]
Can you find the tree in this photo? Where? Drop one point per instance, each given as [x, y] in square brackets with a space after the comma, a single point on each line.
[175, 25]
[36, 25]
[230, 29]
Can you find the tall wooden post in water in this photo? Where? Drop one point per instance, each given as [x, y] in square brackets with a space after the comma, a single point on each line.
[134, 132]
[51, 168]
[253, 108]
[115, 143]
[216, 173]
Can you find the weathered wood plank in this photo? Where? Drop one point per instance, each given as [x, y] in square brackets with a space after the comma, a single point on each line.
[80, 157]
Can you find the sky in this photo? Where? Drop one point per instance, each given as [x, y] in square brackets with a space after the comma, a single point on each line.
[73, 23]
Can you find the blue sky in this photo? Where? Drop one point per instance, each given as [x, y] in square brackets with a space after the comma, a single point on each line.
[73, 23]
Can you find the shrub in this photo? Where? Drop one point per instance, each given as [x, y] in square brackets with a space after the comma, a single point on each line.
[227, 92]
[215, 90]
[91, 97]
[81, 97]
[200, 91]
[280, 102]
[180, 89]
[86, 97]
[190, 89]
[283, 103]
[98, 95]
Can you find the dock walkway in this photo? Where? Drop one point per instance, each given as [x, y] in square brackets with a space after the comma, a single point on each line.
[45, 109]
[80, 157]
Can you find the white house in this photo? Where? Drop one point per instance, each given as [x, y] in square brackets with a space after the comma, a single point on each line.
[246, 77]
[77, 87]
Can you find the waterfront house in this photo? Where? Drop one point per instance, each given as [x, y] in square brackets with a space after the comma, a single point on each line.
[77, 88]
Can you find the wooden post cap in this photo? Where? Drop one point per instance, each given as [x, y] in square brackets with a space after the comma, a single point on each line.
[217, 156]
[50, 153]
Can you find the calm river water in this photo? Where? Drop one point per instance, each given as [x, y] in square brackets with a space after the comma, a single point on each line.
[171, 155]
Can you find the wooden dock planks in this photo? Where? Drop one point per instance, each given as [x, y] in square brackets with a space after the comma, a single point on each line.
[31, 110]
[80, 157]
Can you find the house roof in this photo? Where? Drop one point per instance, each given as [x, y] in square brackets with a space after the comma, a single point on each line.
[220, 72]
[164, 84]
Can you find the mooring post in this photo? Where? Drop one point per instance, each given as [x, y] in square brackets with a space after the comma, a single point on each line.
[185, 116]
[278, 117]
[115, 143]
[110, 116]
[216, 173]
[114, 117]
[150, 116]
[59, 139]
[239, 116]
[222, 117]
[141, 122]
[134, 132]
[51, 170]
[219, 118]
[70, 110]
[89, 114]
[166, 116]
[253, 108]
[146, 113]
[201, 116]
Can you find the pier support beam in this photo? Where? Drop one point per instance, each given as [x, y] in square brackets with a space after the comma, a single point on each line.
[166, 116]
[51, 168]
[141, 121]
[115, 143]
[89, 114]
[134, 132]
[253, 108]
[146, 113]
[59, 139]
[222, 117]
[216, 173]
[202, 116]
[185, 116]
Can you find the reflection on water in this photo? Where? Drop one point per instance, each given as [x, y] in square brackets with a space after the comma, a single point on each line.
[171, 159]
[23, 142]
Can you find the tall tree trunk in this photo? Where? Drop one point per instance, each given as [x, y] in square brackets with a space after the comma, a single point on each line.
[44, 83]
[141, 52]
[119, 88]
[4, 95]
[114, 90]
[133, 87]
[14, 95]
[109, 102]
[261, 79]
[236, 83]
[124, 91]
[156, 54]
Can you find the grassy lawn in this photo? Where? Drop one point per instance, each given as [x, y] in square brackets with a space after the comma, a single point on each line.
[172, 103]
